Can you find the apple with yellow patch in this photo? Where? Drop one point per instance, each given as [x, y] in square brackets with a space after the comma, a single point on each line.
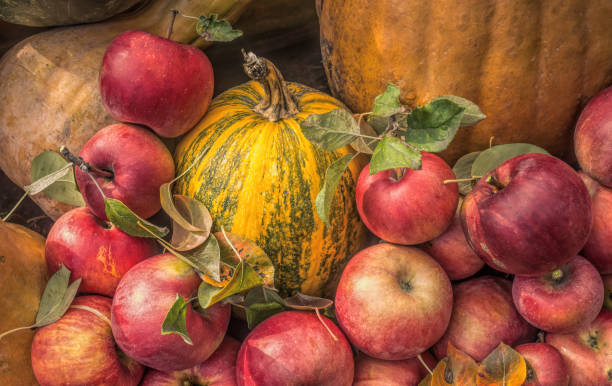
[94, 250]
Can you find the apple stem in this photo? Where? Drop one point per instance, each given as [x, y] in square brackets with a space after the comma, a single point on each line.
[325, 325]
[82, 164]
[424, 364]
[173, 13]
[557, 274]
[491, 180]
[10, 213]
[399, 173]
[473, 178]
[93, 311]
[15, 330]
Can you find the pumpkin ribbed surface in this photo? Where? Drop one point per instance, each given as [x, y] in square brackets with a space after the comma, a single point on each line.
[259, 179]
[530, 65]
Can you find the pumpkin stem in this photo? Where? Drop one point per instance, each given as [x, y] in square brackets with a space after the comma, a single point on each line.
[278, 102]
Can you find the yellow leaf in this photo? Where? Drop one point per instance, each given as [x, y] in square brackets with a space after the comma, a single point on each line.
[502, 367]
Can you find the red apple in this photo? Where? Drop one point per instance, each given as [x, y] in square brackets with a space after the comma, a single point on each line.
[528, 216]
[142, 300]
[587, 352]
[453, 252]
[562, 300]
[374, 372]
[598, 248]
[95, 251]
[295, 348]
[79, 349]
[607, 281]
[155, 82]
[483, 316]
[218, 370]
[593, 138]
[393, 302]
[545, 365]
[139, 162]
[410, 209]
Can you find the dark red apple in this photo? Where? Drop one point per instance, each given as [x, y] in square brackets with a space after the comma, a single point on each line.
[588, 351]
[139, 162]
[409, 209]
[607, 281]
[142, 300]
[453, 252]
[545, 365]
[483, 316]
[377, 372]
[93, 250]
[593, 138]
[79, 349]
[562, 300]
[393, 302]
[528, 216]
[218, 370]
[155, 82]
[598, 248]
[295, 348]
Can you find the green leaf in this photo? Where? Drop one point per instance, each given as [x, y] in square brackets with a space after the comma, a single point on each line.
[385, 105]
[244, 278]
[249, 252]
[325, 196]
[63, 186]
[262, 295]
[175, 321]
[472, 113]
[206, 257]
[391, 153]
[258, 312]
[216, 30]
[332, 130]
[432, 127]
[57, 297]
[363, 144]
[494, 156]
[191, 219]
[463, 169]
[123, 218]
[303, 302]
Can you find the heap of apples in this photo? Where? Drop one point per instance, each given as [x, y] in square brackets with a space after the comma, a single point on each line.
[529, 217]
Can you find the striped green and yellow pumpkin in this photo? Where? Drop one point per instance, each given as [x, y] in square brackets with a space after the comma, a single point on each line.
[259, 176]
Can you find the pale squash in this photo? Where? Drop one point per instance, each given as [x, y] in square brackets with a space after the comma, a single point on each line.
[259, 177]
[50, 94]
[530, 65]
[23, 276]
[46, 13]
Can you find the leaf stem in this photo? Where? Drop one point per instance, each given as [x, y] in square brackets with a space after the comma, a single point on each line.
[325, 325]
[9, 214]
[424, 364]
[15, 330]
[93, 311]
[473, 178]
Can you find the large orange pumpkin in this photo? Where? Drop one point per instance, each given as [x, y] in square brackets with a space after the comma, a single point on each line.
[23, 276]
[530, 65]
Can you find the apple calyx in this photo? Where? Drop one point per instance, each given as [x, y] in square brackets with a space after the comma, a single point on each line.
[405, 284]
[278, 102]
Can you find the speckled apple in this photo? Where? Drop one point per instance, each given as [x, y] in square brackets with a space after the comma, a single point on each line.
[295, 348]
[483, 316]
[95, 251]
[598, 247]
[142, 300]
[377, 372]
[545, 365]
[393, 302]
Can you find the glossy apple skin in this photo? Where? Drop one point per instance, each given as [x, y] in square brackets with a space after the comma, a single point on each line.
[563, 304]
[294, 348]
[539, 220]
[377, 372]
[95, 251]
[218, 370]
[452, 251]
[141, 302]
[416, 208]
[598, 248]
[156, 82]
[79, 349]
[593, 138]
[140, 163]
[587, 351]
[393, 302]
[483, 316]
[607, 281]
[546, 366]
